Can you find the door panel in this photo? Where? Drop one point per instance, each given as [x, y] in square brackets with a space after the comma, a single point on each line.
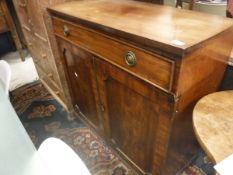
[131, 113]
[79, 71]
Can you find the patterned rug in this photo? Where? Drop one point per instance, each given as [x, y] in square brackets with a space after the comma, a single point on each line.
[44, 117]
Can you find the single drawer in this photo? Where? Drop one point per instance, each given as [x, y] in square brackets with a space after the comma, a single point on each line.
[30, 39]
[47, 80]
[45, 55]
[3, 24]
[150, 67]
[40, 57]
[21, 7]
[37, 52]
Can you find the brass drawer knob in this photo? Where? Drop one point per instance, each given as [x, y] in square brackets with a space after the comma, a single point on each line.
[57, 93]
[130, 59]
[30, 22]
[23, 4]
[43, 55]
[50, 75]
[29, 44]
[66, 30]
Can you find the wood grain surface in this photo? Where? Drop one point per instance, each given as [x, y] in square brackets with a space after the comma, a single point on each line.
[213, 123]
[144, 111]
[34, 19]
[176, 29]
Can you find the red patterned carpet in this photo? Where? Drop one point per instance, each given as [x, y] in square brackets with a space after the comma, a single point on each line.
[44, 117]
[99, 158]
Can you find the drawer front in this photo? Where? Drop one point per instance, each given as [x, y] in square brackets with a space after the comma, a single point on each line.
[37, 22]
[29, 38]
[21, 7]
[3, 24]
[41, 55]
[152, 68]
[45, 78]
[49, 65]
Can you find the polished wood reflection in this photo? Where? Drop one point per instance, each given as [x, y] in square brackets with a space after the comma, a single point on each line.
[143, 109]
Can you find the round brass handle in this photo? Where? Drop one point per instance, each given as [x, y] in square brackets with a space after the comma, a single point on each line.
[130, 59]
[50, 75]
[23, 4]
[30, 22]
[57, 93]
[43, 55]
[29, 44]
[66, 30]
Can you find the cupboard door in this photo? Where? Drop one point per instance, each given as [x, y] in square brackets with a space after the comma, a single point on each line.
[78, 65]
[130, 113]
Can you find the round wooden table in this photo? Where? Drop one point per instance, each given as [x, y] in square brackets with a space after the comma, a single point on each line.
[213, 124]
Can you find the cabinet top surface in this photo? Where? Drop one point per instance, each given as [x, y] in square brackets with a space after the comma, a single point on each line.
[168, 26]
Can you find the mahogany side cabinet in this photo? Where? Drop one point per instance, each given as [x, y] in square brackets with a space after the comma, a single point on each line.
[135, 71]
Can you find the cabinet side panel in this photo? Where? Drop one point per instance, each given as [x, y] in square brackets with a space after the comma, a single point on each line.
[202, 70]
[200, 73]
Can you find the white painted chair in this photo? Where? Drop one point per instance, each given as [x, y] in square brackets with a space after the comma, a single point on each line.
[60, 159]
[5, 75]
[18, 155]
